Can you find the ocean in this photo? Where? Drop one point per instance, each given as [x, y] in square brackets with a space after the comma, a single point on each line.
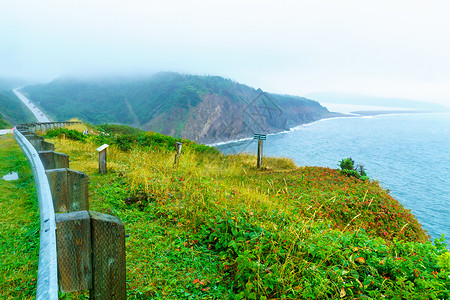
[409, 154]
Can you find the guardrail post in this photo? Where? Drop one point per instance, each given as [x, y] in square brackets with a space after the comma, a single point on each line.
[41, 145]
[69, 190]
[73, 239]
[108, 257]
[46, 146]
[33, 136]
[54, 160]
[91, 254]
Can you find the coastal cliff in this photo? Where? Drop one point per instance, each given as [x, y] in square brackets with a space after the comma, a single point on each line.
[201, 108]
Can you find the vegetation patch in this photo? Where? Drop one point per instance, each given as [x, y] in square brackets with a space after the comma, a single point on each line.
[216, 227]
[67, 133]
[3, 123]
[13, 110]
[348, 168]
[19, 224]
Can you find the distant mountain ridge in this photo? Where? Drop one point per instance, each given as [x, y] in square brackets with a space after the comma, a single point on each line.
[200, 108]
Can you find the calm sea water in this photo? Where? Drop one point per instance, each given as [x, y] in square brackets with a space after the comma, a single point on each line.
[408, 154]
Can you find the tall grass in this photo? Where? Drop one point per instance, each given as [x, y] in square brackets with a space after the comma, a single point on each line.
[214, 226]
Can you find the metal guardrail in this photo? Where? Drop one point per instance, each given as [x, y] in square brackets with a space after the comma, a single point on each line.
[47, 281]
[46, 125]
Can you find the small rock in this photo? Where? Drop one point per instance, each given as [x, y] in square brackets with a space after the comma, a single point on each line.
[11, 176]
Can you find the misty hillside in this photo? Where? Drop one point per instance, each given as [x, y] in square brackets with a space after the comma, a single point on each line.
[10, 83]
[13, 111]
[201, 108]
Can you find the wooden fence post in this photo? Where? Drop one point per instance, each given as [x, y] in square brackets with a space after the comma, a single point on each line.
[33, 136]
[260, 151]
[91, 254]
[47, 146]
[69, 190]
[73, 239]
[108, 257]
[41, 145]
[77, 190]
[102, 158]
[260, 138]
[54, 160]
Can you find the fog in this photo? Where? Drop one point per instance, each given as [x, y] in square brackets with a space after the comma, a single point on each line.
[379, 48]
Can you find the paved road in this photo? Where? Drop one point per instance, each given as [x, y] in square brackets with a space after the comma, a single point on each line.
[5, 131]
[41, 118]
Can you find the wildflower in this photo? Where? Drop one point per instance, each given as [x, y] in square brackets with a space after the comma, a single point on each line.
[360, 260]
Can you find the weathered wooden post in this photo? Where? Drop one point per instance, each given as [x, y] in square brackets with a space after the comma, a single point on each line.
[74, 250]
[178, 145]
[102, 158]
[54, 160]
[108, 257]
[33, 136]
[91, 254]
[41, 145]
[69, 190]
[260, 138]
[47, 146]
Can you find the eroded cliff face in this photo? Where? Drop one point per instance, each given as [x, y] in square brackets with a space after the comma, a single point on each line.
[219, 118]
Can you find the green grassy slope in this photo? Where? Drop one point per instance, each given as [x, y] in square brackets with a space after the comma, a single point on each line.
[13, 110]
[4, 124]
[215, 227]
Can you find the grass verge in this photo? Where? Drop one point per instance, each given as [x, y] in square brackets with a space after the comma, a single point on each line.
[19, 224]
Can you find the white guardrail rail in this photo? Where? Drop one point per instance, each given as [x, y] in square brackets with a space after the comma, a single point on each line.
[47, 281]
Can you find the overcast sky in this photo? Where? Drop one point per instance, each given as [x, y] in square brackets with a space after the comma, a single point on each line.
[383, 48]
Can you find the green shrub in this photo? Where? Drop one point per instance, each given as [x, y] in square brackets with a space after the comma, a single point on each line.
[118, 129]
[149, 139]
[69, 133]
[348, 168]
[347, 164]
[125, 142]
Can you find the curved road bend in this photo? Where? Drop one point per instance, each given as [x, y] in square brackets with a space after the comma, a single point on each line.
[41, 118]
